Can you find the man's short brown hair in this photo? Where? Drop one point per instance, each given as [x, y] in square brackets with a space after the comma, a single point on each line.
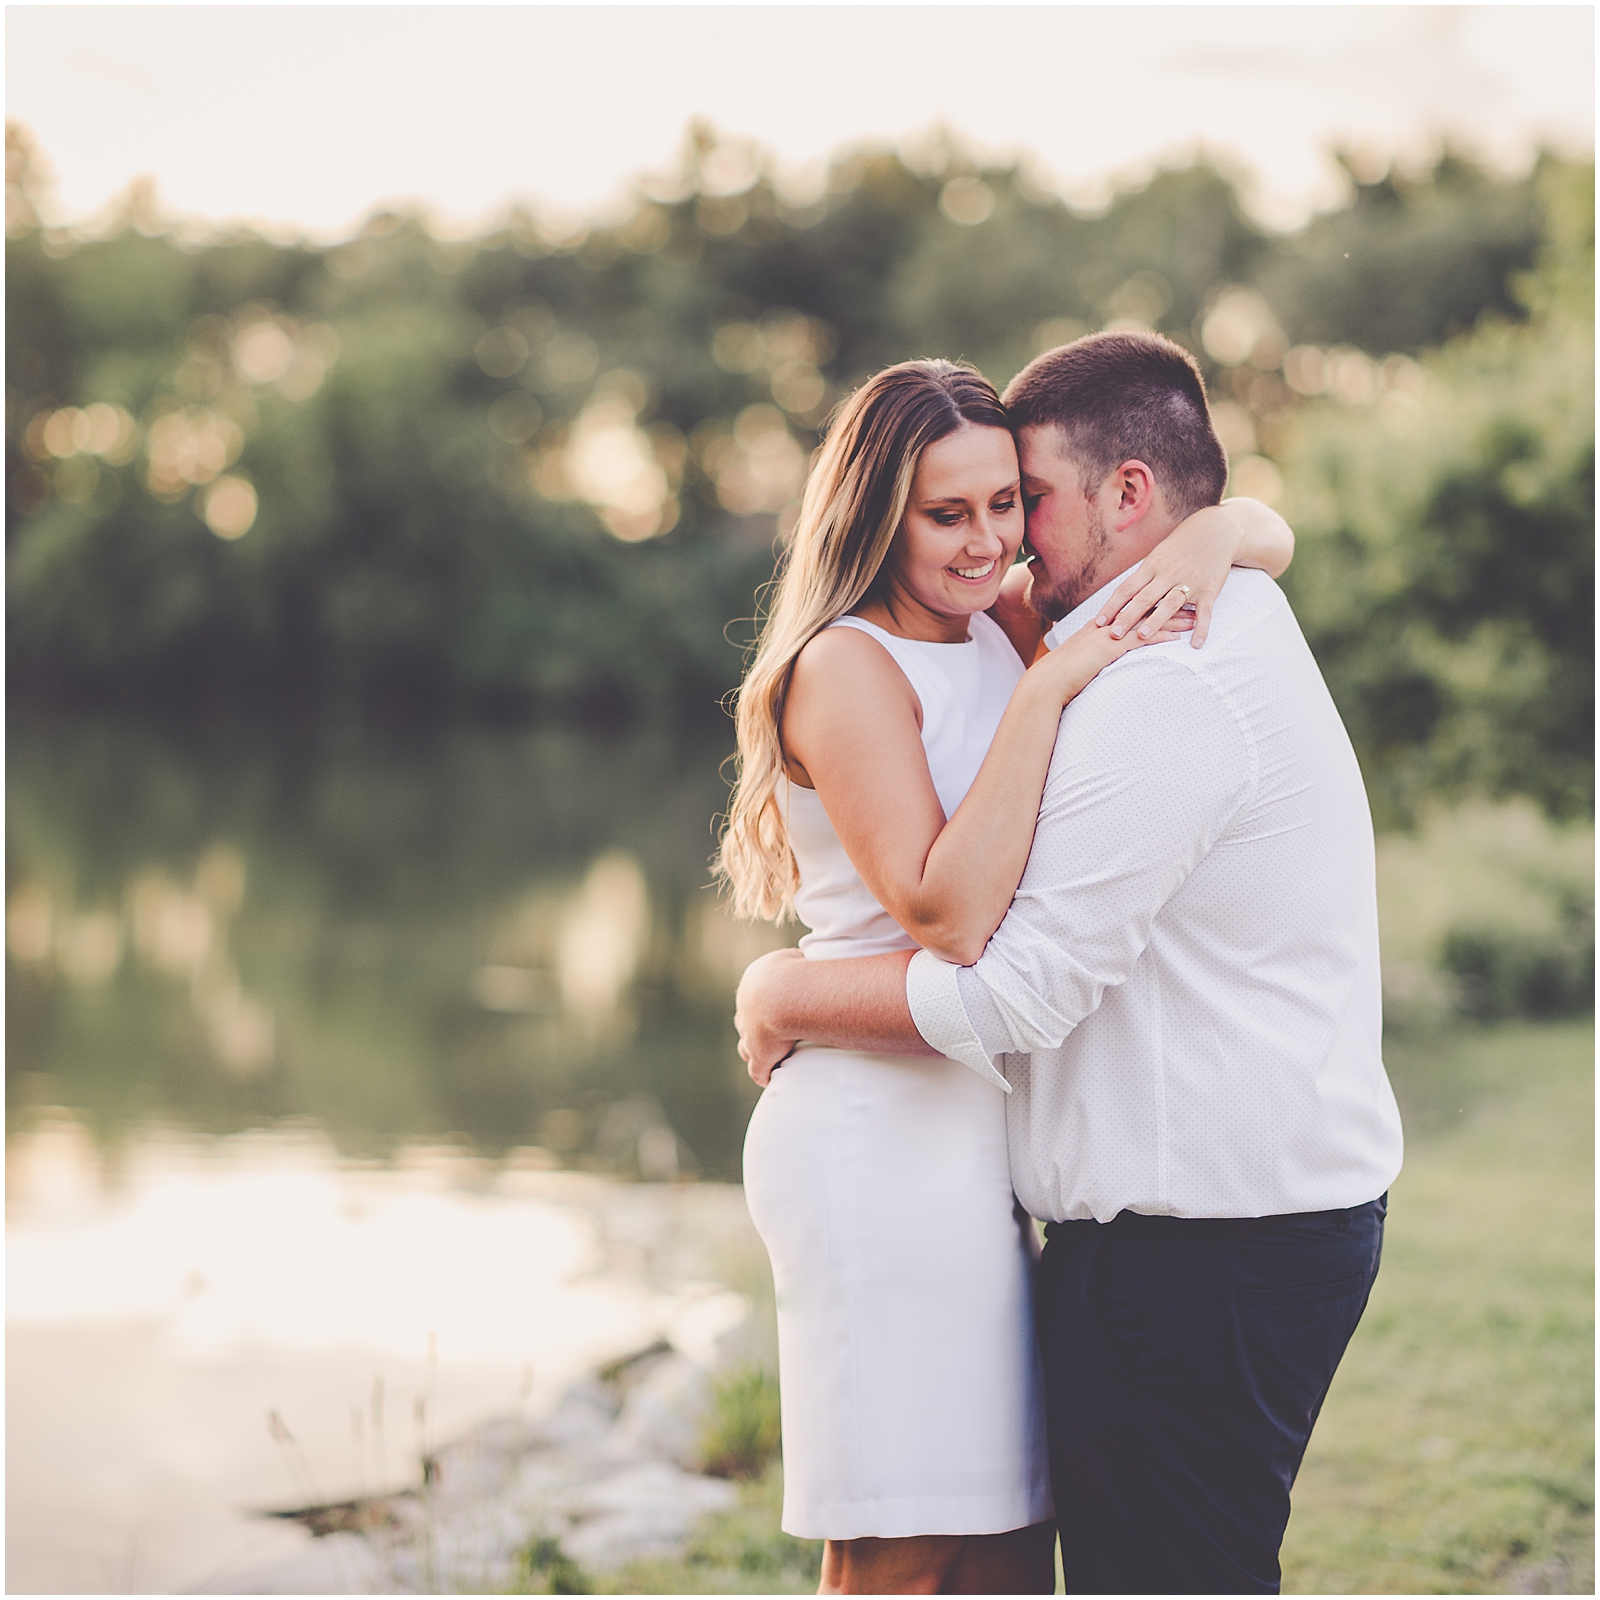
[1127, 397]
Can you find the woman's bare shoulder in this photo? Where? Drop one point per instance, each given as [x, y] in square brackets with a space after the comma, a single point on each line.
[847, 662]
[852, 724]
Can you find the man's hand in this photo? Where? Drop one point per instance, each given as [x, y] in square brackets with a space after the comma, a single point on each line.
[853, 1003]
[762, 1043]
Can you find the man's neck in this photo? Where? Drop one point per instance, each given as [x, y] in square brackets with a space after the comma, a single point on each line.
[1123, 553]
[1083, 613]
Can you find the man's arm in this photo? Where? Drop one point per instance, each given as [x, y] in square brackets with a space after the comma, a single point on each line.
[1150, 767]
[855, 1004]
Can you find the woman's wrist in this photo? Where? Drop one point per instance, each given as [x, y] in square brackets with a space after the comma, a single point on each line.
[1229, 524]
[1050, 683]
[1242, 519]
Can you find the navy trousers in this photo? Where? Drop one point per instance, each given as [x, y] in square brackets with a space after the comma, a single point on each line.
[1185, 1363]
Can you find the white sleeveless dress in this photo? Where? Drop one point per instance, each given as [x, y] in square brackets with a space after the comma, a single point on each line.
[911, 1392]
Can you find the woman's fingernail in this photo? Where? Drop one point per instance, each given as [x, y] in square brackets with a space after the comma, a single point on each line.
[1144, 633]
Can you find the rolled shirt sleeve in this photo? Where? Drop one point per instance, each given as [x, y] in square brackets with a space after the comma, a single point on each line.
[1126, 816]
[938, 1007]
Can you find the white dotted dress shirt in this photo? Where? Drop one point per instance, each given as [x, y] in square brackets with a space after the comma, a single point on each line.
[1184, 996]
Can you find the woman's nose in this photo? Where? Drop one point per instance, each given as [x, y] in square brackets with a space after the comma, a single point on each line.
[987, 538]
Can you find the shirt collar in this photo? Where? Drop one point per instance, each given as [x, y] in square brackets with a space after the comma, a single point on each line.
[1082, 615]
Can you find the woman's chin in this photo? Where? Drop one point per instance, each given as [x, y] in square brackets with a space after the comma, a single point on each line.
[976, 597]
[953, 598]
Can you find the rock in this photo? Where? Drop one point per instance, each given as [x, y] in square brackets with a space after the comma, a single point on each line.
[585, 1414]
[644, 1510]
[664, 1414]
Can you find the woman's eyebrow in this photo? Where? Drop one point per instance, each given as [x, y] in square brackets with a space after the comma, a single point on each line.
[962, 499]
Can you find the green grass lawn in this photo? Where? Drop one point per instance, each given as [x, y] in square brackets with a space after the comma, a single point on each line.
[1455, 1452]
[740, 1552]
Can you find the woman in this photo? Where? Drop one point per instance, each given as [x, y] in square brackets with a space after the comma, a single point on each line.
[890, 692]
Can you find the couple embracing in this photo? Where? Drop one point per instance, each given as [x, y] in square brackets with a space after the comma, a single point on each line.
[1093, 941]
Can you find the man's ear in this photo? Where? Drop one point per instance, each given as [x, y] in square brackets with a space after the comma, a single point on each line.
[1134, 485]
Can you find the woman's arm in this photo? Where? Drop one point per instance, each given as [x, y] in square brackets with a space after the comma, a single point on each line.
[1198, 552]
[851, 731]
[1020, 623]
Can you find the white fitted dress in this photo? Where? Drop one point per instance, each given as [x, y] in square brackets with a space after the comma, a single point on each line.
[911, 1391]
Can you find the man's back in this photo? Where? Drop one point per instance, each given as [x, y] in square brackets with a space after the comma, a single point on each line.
[1187, 983]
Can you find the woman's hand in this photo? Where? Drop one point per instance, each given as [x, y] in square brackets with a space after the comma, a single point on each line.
[1188, 568]
[1068, 668]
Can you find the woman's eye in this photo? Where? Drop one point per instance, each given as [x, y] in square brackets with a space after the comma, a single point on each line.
[947, 519]
[1001, 507]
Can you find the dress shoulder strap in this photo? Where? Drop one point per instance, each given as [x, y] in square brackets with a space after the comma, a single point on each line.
[881, 634]
[903, 652]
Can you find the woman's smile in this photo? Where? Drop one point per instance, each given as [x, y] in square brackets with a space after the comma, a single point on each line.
[975, 574]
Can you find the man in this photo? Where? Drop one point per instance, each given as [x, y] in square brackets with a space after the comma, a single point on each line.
[1184, 997]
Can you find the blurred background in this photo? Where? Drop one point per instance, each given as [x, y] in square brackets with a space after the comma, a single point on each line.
[377, 571]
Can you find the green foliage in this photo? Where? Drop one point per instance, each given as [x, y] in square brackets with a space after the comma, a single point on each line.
[1445, 571]
[1487, 913]
[743, 1432]
[1388, 271]
[545, 1568]
[1499, 975]
[532, 474]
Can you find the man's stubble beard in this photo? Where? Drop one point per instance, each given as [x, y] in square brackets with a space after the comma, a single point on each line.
[1054, 598]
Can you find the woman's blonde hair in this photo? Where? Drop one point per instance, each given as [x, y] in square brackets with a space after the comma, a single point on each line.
[854, 501]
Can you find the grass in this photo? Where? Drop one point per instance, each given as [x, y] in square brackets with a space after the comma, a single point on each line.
[741, 1551]
[1455, 1452]
[742, 1434]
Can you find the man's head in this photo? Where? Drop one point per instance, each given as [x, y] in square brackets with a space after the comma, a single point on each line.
[1117, 448]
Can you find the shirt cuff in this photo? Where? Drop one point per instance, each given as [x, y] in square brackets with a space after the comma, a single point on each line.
[934, 995]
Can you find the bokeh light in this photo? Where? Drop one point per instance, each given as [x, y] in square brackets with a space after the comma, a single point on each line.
[967, 201]
[628, 475]
[230, 508]
[1240, 327]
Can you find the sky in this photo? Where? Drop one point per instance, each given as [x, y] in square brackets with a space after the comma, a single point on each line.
[302, 119]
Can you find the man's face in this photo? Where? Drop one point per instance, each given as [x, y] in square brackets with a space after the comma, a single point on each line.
[1067, 534]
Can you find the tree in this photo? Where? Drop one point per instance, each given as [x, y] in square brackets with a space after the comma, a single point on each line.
[1445, 573]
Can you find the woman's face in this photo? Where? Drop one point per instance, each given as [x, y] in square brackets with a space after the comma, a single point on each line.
[963, 522]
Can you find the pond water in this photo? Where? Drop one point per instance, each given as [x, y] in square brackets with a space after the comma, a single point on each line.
[506, 940]
[359, 1084]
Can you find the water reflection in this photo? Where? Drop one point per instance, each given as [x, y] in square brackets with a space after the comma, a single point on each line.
[507, 938]
[204, 1325]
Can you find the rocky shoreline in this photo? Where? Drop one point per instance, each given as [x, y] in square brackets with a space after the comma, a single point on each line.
[611, 1475]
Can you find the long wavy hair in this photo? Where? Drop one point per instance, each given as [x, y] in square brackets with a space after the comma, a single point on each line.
[854, 501]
